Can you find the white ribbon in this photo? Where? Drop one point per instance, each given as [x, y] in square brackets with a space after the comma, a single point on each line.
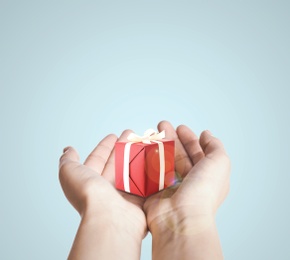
[149, 136]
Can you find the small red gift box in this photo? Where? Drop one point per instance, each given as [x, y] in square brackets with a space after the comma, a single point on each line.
[145, 165]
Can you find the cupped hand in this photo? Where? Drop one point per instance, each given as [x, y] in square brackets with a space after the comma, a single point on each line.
[204, 168]
[90, 187]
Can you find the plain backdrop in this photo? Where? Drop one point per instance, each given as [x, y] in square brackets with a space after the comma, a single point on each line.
[72, 72]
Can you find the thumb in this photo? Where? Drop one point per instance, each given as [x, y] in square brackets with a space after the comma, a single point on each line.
[69, 155]
[211, 145]
[69, 160]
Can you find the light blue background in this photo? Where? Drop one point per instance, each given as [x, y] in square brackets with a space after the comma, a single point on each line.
[72, 72]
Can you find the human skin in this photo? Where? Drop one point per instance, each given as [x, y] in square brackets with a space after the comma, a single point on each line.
[181, 219]
[113, 223]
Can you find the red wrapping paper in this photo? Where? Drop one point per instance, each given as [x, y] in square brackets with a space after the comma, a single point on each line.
[144, 167]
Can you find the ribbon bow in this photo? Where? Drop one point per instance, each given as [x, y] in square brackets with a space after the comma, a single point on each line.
[149, 135]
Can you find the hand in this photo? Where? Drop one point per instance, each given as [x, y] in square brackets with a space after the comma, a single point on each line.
[181, 218]
[189, 208]
[90, 189]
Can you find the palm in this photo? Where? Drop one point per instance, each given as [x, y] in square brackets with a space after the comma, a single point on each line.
[196, 170]
[101, 161]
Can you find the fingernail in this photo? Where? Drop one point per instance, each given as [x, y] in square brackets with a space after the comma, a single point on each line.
[66, 149]
[209, 132]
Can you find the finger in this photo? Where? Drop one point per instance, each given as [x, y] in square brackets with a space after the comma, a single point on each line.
[98, 158]
[69, 155]
[190, 142]
[109, 170]
[210, 145]
[215, 160]
[67, 162]
[182, 162]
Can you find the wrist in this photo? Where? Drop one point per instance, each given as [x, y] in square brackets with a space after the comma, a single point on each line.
[106, 237]
[182, 222]
[190, 237]
[113, 220]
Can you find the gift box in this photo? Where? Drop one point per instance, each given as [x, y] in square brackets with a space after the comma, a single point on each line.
[145, 164]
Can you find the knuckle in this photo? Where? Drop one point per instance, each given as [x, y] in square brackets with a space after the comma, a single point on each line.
[105, 148]
[180, 157]
[63, 168]
[192, 143]
[97, 158]
[197, 155]
[113, 136]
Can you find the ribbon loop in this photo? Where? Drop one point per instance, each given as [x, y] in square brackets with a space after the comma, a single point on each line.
[149, 135]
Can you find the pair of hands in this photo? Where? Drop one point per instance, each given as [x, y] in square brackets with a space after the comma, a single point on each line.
[202, 164]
